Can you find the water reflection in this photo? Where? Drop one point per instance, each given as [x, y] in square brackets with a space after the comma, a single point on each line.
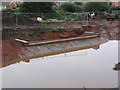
[89, 68]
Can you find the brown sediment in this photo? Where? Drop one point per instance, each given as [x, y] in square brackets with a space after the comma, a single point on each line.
[11, 50]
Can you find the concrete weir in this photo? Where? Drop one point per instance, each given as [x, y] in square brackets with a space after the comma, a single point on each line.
[43, 50]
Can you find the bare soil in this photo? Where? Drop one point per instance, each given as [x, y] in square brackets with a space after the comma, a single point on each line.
[14, 50]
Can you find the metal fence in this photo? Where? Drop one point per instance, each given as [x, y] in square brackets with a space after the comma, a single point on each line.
[116, 12]
[20, 18]
[23, 18]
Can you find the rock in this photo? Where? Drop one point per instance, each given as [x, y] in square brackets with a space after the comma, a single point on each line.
[117, 67]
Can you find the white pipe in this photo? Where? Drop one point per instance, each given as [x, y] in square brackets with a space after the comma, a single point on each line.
[63, 40]
[23, 41]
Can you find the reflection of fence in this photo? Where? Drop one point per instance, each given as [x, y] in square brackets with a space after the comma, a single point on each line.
[70, 54]
[19, 18]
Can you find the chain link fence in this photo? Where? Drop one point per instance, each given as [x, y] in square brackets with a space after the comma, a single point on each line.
[28, 19]
[18, 18]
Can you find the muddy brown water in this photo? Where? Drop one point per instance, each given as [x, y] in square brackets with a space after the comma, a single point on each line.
[90, 68]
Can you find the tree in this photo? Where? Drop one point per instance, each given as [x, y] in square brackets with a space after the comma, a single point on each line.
[78, 3]
[37, 7]
[80, 6]
[7, 6]
[69, 7]
[97, 6]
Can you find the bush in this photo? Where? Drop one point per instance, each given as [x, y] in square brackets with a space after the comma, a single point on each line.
[38, 31]
[69, 7]
[6, 32]
[57, 29]
[115, 8]
[8, 10]
[37, 7]
[96, 6]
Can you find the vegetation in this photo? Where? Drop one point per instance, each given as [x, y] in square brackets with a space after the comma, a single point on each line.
[9, 32]
[37, 7]
[50, 7]
[115, 8]
[70, 7]
[38, 31]
[8, 10]
[65, 12]
[96, 6]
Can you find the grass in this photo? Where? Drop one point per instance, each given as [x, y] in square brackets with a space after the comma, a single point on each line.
[72, 20]
[49, 21]
[9, 32]
[57, 29]
[38, 31]
[103, 20]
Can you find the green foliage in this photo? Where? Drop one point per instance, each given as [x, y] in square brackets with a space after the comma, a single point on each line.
[69, 7]
[6, 32]
[8, 10]
[104, 20]
[56, 29]
[97, 6]
[7, 6]
[38, 31]
[115, 8]
[37, 7]
[78, 3]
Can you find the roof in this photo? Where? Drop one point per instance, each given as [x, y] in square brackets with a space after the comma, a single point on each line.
[12, 3]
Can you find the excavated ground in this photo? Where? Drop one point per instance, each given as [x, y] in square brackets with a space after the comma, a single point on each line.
[13, 50]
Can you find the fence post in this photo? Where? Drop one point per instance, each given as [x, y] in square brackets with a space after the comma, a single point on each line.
[41, 15]
[98, 15]
[16, 20]
[65, 17]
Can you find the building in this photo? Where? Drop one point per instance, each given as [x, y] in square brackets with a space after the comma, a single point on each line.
[117, 4]
[12, 4]
[4, 5]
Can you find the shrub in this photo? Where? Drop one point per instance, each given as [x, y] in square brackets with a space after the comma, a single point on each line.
[8, 10]
[96, 6]
[37, 7]
[69, 7]
[38, 31]
[6, 32]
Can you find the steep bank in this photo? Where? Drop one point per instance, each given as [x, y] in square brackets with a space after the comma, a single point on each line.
[27, 53]
[14, 51]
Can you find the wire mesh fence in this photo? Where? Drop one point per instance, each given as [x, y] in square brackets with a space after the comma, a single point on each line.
[20, 18]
